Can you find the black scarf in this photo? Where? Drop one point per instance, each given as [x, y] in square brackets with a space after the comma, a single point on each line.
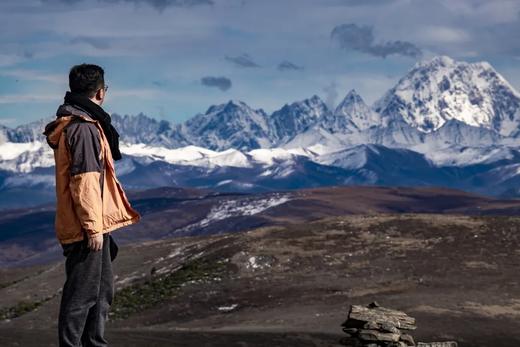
[97, 113]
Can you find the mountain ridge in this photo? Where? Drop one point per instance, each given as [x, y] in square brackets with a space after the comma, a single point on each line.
[233, 146]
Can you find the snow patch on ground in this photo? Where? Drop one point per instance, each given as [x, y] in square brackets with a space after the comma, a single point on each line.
[259, 262]
[236, 208]
[243, 207]
[228, 308]
[174, 253]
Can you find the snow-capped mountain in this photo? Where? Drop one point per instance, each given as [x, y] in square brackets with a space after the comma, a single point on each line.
[353, 110]
[30, 132]
[444, 123]
[295, 118]
[230, 125]
[337, 129]
[438, 90]
[382, 165]
[142, 129]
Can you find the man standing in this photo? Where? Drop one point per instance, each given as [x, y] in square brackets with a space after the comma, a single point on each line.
[90, 204]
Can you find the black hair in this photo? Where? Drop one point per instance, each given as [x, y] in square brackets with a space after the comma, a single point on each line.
[86, 79]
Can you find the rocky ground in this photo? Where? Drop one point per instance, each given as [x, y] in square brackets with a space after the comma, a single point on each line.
[27, 236]
[292, 285]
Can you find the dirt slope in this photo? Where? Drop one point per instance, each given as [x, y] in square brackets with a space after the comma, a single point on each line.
[292, 286]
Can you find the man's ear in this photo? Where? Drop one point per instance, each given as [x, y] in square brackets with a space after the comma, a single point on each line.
[100, 95]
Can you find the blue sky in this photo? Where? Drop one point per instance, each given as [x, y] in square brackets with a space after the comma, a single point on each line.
[171, 59]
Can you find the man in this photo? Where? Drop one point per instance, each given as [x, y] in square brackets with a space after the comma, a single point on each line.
[90, 204]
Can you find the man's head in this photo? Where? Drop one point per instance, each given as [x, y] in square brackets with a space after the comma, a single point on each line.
[88, 80]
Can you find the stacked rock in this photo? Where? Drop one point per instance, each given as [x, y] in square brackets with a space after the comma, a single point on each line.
[376, 326]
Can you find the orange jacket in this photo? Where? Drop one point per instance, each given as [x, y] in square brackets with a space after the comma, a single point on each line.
[89, 197]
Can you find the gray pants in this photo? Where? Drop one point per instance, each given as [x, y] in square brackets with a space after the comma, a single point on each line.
[87, 293]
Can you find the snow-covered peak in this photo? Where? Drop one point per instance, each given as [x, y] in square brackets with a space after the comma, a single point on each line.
[29, 132]
[435, 62]
[315, 99]
[351, 98]
[314, 104]
[230, 125]
[143, 129]
[230, 105]
[354, 107]
[295, 118]
[234, 103]
[440, 89]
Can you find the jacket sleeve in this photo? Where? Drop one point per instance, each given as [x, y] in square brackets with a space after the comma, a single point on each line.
[83, 140]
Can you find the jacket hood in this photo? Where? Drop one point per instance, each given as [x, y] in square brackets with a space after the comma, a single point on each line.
[64, 115]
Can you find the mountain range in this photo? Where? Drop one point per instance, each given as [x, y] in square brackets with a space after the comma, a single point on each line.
[445, 123]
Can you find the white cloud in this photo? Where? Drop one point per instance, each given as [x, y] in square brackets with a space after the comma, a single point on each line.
[34, 75]
[440, 35]
[137, 93]
[181, 45]
[8, 121]
[10, 59]
[482, 12]
[29, 98]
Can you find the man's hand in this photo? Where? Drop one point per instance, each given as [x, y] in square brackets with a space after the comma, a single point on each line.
[95, 242]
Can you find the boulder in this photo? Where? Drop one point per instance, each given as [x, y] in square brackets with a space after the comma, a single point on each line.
[376, 326]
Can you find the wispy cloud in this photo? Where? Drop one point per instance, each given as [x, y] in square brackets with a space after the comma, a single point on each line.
[222, 83]
[28, 98]
[331, 94]
[34, 75]
[287, 65]
[443, 34]
[361, 38]
[140, 93]
[159, 83]
[11, 59]
[7, 121]
[57, 97]
[158, 4]
[96, 42]
[366, 2]
[243, 60]
[175, 43]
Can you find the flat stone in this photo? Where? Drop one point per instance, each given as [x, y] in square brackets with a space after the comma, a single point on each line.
[350, 330]
[395, 344]
[389, 328]
[408, 339]
[358, 316]
[371, 325]
[384, 327]
[437, 344]
[375, 335]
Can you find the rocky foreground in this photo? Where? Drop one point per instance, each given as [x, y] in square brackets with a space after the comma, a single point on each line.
[295, 285]
[376, 326]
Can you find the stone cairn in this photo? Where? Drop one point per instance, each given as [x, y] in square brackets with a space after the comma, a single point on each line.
[376, 326]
